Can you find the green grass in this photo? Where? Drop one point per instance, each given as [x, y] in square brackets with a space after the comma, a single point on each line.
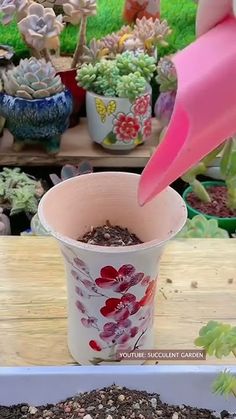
[179, 13]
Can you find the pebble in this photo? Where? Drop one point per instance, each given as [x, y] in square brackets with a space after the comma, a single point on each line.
[33, 410]
[87, 417]
[175, 416]
[121, 397]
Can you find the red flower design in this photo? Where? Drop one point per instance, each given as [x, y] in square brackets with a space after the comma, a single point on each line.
[149, 294]
[147, 127]
[120, 308]
[141, 105]
[121, 280]
[126, 127]
[81, 307]
[118, 333]
[90, 322]
[95, 345]
[145, 281]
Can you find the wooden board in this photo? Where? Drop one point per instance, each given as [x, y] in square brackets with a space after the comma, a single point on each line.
[76, 146]
[33, 297]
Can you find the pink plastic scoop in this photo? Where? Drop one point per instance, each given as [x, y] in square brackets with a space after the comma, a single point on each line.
[205, 108]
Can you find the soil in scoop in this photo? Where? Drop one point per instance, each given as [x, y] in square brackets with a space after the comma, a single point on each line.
[109, 403]
[218, 205]
[108, 235]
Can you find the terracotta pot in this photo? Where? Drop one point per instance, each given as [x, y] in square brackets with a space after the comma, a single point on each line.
[78, 94]
[116, 123]
[111, 290]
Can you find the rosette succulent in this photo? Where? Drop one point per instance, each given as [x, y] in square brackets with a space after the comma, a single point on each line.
[9, 9]
[32, 79]
[41, 27]
[200, 227]
[166, 75]
[125, 76]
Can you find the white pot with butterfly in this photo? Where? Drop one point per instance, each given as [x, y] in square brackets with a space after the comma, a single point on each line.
[117, 123]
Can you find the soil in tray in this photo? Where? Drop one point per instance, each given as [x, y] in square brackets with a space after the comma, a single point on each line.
[218, 205]
[108, 235]
[109, 403]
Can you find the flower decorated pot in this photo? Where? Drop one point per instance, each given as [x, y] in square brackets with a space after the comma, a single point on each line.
[111, 290]
[78, 94]
[40, 121]
[116, 123]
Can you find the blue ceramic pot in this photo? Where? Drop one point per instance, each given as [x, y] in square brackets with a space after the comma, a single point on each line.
[37, 121]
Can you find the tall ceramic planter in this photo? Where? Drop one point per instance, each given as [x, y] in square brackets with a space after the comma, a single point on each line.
[111, 290]
[116, 123]
[37, 121]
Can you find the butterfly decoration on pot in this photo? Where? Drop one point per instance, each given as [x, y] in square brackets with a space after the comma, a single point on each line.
[104, 110]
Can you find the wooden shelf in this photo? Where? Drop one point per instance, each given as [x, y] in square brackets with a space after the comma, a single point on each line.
[75, 147]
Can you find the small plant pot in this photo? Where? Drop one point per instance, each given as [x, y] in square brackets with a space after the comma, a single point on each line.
[78, 95]
[116, 123]
[101, 279]
[40, 121]
[228, 224]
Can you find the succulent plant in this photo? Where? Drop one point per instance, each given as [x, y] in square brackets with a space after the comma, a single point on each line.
[200, 227]
[166, 75]
[129, 62]
[9, 9]
[94, 52]
[68, 171]
[107, 78]
[227, 168]
[32, 79]
[164, 107]
[151, 32]
[75, 9]
[19, 192]
[219, 339]
[77, 12]
[131, 86]
[125, 76]
[41, 27]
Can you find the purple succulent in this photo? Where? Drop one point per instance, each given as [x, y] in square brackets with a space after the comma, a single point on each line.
[164, 107]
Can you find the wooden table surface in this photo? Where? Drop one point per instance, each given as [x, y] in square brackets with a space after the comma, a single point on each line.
[77, 146]
[33, 297]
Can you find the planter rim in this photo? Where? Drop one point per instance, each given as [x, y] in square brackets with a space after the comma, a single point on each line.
[206, 183]
[21, 99]
[106, 249]
[147, 90]
[182, 384]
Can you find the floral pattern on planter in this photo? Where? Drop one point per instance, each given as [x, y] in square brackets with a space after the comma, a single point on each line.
[122, 317]
[117, 123]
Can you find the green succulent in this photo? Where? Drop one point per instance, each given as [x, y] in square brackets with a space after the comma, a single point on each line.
[225, 384]
[125, 76]
[107, 77]
[130, 62]
[220, 340]
[200, 227]
[32, 79]
[131, 86]
[86, 76]
[217, 339]
[18, 191]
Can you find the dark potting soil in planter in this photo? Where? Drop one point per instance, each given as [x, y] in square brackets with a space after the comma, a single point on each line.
[108, 235]
[217, 207]
[109, 403]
